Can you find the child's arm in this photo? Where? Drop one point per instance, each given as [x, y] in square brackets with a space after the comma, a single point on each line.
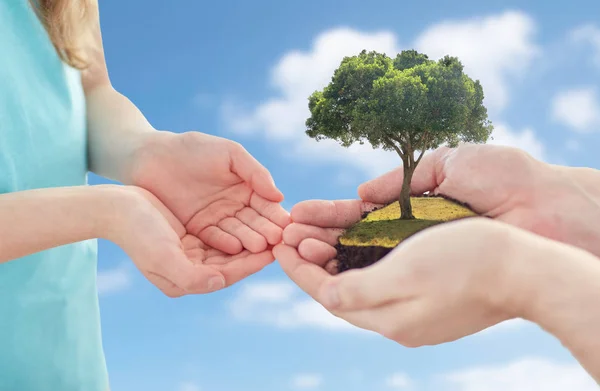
[36, 220]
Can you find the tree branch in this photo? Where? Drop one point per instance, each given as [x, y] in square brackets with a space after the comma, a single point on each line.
[420, 157]
[423, 150]
[398, 150]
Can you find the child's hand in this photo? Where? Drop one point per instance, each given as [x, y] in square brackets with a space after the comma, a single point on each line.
[175, 261]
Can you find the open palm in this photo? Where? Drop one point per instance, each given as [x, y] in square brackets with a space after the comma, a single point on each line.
[226, 201]
[175, 261]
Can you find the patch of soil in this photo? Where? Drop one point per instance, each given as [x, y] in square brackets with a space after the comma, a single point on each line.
[356, 257]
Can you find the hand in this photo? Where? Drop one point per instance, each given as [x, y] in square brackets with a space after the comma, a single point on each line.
[439, 285]
[173, 260]
[221, 195]
[504, 183]
[507, 184]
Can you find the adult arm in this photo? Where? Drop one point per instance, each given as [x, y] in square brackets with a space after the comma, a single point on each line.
[561, 294]
[454, 280]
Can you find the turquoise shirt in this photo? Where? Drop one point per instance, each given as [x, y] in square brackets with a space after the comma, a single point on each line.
[50, 336]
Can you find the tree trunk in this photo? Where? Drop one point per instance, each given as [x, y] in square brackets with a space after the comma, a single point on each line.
[405, 205]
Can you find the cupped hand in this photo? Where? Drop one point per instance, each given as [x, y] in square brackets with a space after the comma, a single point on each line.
[503, 183]
[215, 188]
[168, 256]
[508, 185]
[440, 285]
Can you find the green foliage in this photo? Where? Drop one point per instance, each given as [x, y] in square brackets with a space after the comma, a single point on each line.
[407, 104]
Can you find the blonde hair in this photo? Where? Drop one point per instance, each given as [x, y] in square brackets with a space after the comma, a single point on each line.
[69, 24]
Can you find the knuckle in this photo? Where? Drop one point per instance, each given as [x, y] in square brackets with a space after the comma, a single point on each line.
[244, 213]
[236, 147]
[291, 235]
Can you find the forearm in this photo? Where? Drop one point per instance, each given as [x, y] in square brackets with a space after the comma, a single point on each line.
[116, 129]
[562, 297]
[36, 220]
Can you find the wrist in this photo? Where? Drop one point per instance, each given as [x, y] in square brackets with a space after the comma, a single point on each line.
[111, 205]
[147, 148]
[557, 288]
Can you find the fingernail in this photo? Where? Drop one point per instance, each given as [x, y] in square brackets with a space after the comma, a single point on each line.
[216, 283]
[331, 297]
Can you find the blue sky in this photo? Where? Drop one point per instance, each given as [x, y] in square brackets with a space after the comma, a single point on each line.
[242, 70]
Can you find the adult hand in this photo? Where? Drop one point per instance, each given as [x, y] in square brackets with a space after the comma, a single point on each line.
[442, 284]
[507, 184]
[175, 261]
[459, 278]
[503, 183]
[221, 195]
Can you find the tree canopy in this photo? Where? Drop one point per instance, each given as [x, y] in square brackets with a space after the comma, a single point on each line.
[410, 103]
[406, 104]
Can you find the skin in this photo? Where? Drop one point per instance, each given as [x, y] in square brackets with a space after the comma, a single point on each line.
[536, 257]
[505, 184]
[57, 216]
[225, 203]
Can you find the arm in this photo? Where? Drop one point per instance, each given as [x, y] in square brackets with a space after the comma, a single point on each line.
[450, 281]
[561, 294]
[36, 220]
[113, 137]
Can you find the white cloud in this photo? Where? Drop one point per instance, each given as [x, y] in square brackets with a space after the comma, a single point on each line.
[298, 74]
[113, 280]
[189, 386]
[399, 381]
[493, 49]
[588, 34]
[525, 140]
[282, 305]
[578, 109]
[523, 375]
[307, 381]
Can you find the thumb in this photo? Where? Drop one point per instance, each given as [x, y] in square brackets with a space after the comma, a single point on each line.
[360, 289]
[255, 174]
[427, 176]
[189, 276]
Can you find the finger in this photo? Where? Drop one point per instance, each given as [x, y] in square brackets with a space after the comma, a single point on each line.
[427, 176]
[271, 232]
[309, 277]
[271, 210]
[255, 174]
[217, 238]
[240, 268]
[250, 239]
[360, 289]
[295, 233]
[316, 251]
[330, 214]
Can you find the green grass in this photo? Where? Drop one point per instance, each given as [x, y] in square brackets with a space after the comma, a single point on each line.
[383, 227]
